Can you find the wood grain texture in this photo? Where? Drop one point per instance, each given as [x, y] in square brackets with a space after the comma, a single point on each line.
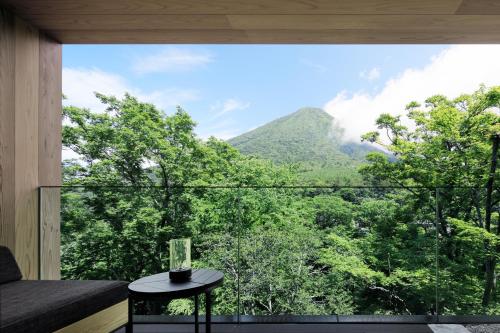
[368, 37]
[280, 29]
[26, 148]
[49, 156]
[7, 153]
[423, 23]
[276, 36]
[256, 22]
[30, 142]
[50, 233]
[131, 22]
[103, 321]
[151, 36]
[138, 7]
[49, 113]
[239, 21]
[479, 7]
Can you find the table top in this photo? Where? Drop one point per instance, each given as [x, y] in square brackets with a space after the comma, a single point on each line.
[159, 285]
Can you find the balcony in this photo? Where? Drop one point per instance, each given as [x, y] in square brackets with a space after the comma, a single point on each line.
[389, 257]
[440, 270]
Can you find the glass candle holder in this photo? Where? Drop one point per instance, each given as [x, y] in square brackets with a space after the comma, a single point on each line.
[180, 260]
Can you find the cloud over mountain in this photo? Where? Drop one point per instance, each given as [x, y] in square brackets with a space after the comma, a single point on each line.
[456, 70]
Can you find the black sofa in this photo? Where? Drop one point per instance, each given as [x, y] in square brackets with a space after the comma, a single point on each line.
[47, 306]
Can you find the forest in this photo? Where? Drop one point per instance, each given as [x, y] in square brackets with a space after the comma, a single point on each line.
[419, 235]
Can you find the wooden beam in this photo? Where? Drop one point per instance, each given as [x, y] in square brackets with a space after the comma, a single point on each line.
[368, 37]
[130, 21]
[50, 113]
[222, 7]
[418, 23]
[7, 138]
[239, 21]
[106, 320]
[26, 148]
[276, 36]
[479, 7]
[30, 142]
[50, 233]
[151, 36]
[266, 22]
[49, 156]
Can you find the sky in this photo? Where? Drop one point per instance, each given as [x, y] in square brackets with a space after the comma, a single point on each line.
[231, 89]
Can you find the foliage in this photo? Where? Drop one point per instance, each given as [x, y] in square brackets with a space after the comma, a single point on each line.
[452, 145]
[143, 178]
[310, 140]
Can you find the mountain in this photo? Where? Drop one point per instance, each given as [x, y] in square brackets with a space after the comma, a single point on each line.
[309, 138]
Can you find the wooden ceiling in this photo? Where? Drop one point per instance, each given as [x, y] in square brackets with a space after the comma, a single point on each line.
[264, 21]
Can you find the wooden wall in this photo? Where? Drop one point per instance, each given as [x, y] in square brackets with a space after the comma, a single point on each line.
[265, 21]
[30, 138]
[7, 103]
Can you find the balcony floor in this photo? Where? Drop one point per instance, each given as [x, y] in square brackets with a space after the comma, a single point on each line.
[299, 328]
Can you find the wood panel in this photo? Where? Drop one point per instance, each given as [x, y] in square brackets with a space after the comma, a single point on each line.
[26, 149]
[255, 22]
[30, 141]
[479, 7]
[49, 156]
[367, 37]
[277, 36]
[50, 233]
[137, 7]
[150, 36]
[131, 22]
[237, 21]
[106, 320]
[424, 23]
[7, 104]
[50, 113]
[404, 29]
[185, 21]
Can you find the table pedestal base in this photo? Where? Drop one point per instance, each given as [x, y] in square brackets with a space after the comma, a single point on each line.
[208, 317]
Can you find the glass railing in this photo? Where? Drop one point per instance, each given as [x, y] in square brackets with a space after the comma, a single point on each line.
[295, 253]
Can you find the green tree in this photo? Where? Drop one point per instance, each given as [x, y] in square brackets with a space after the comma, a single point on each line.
[451, 145]
[143, 178]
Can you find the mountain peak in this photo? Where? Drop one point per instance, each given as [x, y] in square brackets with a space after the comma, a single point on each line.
[311, 112]
[307, 136]
[310, 109]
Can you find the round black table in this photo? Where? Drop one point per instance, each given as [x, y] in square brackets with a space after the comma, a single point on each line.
[158, 287]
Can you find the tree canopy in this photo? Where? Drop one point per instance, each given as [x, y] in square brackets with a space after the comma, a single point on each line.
[429, 221]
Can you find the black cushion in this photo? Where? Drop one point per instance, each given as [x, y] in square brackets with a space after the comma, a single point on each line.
[45, 306]
[9, 271]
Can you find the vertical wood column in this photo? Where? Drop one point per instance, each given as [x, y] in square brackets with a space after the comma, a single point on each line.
[30, 141]
[50, 113]
[26, 149]
[49, 157]
[7, 103]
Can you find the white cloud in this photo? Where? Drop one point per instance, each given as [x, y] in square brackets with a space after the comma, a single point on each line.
[171, 60]
[79, 86]
[456, 70]
[229, 105]
[370, 75]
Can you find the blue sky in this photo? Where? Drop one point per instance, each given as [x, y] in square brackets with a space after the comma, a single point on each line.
[230, 89]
